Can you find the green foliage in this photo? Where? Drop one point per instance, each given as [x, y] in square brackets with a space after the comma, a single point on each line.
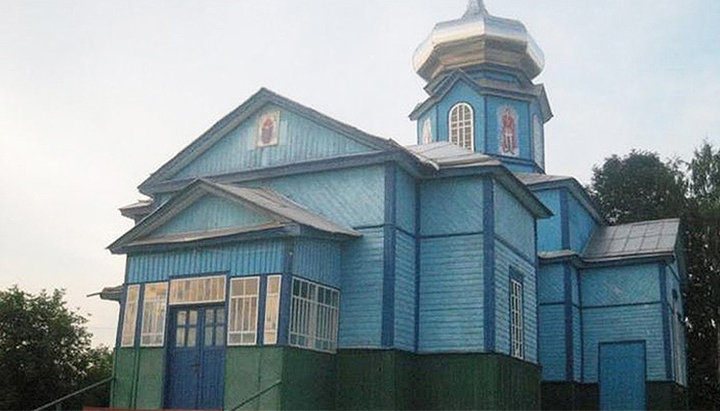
[45, 351]
[639, 187]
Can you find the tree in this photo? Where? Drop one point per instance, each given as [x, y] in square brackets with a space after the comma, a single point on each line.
[45, 350]
[639, 187]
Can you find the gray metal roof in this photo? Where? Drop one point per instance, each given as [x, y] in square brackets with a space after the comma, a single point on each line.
[535, 178]
[445, 154]
[643, 238]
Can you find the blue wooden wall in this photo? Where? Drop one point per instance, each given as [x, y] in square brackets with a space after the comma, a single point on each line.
[249, 258]
[211, 212]
[317, 260]
[451, 293]
[623, 303]
[362, 291]
[550, 229]
[571, 225]
[451, 265]
[299, 139]
[581, 224]
[552, 317]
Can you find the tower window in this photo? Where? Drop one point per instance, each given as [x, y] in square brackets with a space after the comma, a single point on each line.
[461, 126]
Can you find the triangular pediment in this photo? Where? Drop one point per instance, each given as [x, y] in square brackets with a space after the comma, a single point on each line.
[211, 213]
[205, 210]
[267, 130]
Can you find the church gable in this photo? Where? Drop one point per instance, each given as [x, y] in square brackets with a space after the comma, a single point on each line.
[211, 213]
[267, 130]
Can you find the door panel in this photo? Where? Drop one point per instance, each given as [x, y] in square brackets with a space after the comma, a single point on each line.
[622, 376]
[184, 360]
[196, 358]
[213, 359]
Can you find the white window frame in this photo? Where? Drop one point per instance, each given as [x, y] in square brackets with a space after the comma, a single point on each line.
[517, 322]
[272, 317]
[241, 322]
[177, 296]
[132, 297]
[459, 126]
[313, 321]
[153, 316]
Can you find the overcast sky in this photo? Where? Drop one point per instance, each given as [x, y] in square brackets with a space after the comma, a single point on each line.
[95, 95]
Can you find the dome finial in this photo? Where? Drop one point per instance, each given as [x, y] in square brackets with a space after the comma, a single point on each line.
[475, 7]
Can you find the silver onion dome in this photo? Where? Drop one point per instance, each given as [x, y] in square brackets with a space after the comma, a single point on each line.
[477, 38]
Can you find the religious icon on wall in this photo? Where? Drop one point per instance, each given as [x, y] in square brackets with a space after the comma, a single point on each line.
[507, 123]
[427, 131]
[268, 126]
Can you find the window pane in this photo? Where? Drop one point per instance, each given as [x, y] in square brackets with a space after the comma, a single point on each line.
[130, 316]
[313, 319]
[220, 331]
[154, 309]
[209, 336]
[272, 307]
[180, 337]
[210, 316]
[197, 290]
[242, 324]
[191, 336]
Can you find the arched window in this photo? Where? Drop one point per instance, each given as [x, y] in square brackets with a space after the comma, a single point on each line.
[461, 126]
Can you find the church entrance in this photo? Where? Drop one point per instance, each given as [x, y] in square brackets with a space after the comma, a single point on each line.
[196, 358]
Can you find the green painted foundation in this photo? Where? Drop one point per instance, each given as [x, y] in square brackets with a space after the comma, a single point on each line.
[350, 379]
[138, 378]
[659, 395]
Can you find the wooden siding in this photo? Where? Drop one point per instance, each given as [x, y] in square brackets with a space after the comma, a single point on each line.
[581, 224]
[451, 206]
[624, 323]
[549, 229]
[405, 292]
[351, 197]
[620, 285]
[211, 212]
[405, 201]
[249, 258]
[552, 342]
[513, 223]
[299, 139]
[362, 291]
[551, 288]
[505, 258]
[451, 294]
[317, 260]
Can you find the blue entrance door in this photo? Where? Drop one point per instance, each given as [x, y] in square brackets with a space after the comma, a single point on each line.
[622, 376]
[196, 358]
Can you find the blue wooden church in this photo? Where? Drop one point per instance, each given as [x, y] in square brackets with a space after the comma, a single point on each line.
[285, 260]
